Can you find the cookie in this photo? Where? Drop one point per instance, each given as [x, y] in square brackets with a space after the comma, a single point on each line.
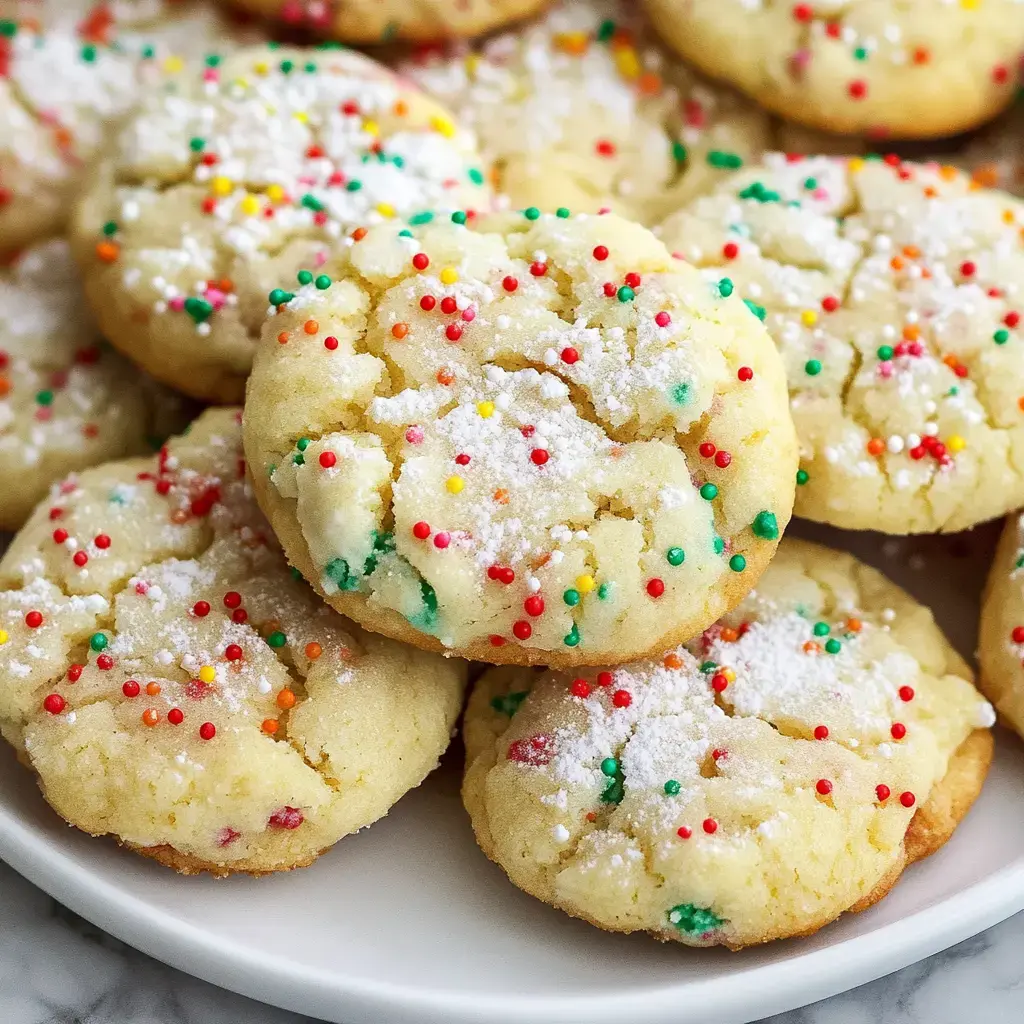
[172, 684]
[583, 108]
[753, 785]
[893, 291]
[381, 21]
[69, 70]
[880, 67]
[1001, 637]
[210, 195]
[540, 441]
[66, 400]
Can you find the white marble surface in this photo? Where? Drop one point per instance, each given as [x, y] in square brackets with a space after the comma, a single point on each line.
[56, 968]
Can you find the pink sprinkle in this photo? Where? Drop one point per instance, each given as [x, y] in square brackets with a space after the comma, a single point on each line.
[211, 75]
[469, 314]
[442, 539]
[604, 210]
[321, 258]
[820, 193]
[177, 303]
[227, 835]
[414, 435]
[798, 62]
[885, 369]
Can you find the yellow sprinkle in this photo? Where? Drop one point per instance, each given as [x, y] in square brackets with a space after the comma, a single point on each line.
[301, 116]
[808, 318]
[449, 276]
[221, 186]
[261, 68]
[1008, 216]
[572, 42]
[970, 5]
[371, 128]
[455, 484]
[385, 209]
[585, 584]
[627, 63]
[729, 674]
[955, 443]
[486, 409]
[442, 125]
[207, 673]
[472, 62]
[855, 165]
[275, 193]
[250, 205]
[173, 65]
[3, 636]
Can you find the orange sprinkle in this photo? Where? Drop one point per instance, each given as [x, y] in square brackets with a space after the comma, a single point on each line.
[649, 83]
[876, 446]
[63, 137]
[930, 192]
[311, 327]
[911, 332]
[854, 625]
[226, 285]
[269, 726]
[896, 263]
[286, 700]
[591, 816]
[401, 108]
[150, 717]
[313, 650]
[282, 338]
[107, 252]
[673, 661]
[987, 176]
[541, 560]
[811, 647]
[359, 234]
[153, 689]
[951, 361]
[1020, 403]
[179, 516]
[729, 635]
[501, 495]
[911, 252]
[445, 377]
[5, 386]
[399, 331]
[948, 173]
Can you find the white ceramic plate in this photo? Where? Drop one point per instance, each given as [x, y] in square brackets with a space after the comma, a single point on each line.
[408, 923]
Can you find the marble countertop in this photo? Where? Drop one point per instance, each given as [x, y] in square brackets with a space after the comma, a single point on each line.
[56, 968]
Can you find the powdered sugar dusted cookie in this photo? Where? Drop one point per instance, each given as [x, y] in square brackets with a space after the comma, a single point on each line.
[70, 69]
[584, 109]
[884, 67]
[210, 195]
[172, 684]
[780, 770]
[541, 441]
[894, 293]
[66, 401]
[1001, 639]
[377, 21]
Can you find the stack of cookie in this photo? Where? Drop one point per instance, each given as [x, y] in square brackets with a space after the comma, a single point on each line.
[541, 344]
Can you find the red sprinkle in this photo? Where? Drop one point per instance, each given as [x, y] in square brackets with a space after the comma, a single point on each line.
[538, 269]
[59, 536]
[55, 704]
[534, 605]
[130, 688]
[710, 826]
[730, 250]
[580, 688]
[175, 716]
[510, 284]
[821, 732]
[75, 673]
[232, 599]
[427, 303]
[906, 693]
[442, 539]
[287, 817]
[539, 456]
[102, 541]
[453, 332]
[421, 530]
[656, 587]
[421, 261]
[328, 459]
[898, 730]
[207, 731]
[722, 459]
[719, 682]
[600, 253]
[330, 343]
[201, 609]
[522, 630]
[908, 799]
[683, 832]
[34, 620]
[105, 662]
[449, 305]
[883, 792]
[570, 355]
[823, 786]
[233, 652]
[662, 319]
[80, 558]
[604, 679]
[745, 373]
[622, 698]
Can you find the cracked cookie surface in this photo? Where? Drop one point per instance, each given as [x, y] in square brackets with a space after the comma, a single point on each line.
[245, 174]
[753, 785]
[585, 109]
[886, 68]
[66, 400]
[171, 682]
[893, 291]
[542, 440]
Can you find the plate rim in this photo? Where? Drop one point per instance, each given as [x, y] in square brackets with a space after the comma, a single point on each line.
[767, 989]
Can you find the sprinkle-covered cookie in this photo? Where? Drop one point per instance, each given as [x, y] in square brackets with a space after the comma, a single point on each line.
[68, 71]
[210, 196]
[541, 441]
[1001, 637]
[173, 684]
[66, 400]
[776, 772]
[894, 292]
[584, 109]
[887, 68]
[381, 21]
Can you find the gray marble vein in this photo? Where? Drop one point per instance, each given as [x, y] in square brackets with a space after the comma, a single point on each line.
[56, 968]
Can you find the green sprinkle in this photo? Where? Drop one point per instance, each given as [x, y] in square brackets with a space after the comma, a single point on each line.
[148, 52]
[610, 766]
[8, 29]
[725, 287]
[679, 153]
[277, 639]
[354, 185]
[708, 491]
[322, 282]
[833, 646]
[309, 67]
[295, 574]
[737, 563]
[337, 571]
[694, 920]
[110, 228]
[1020, 562]
[572, 638]
[672, 788]
[604, 591]
[759, 311]
[421, 218]
[302, 444]
[531, 213]
[405, 233]
[196, 144]
[885, 353]
[606, 30]
[860, 53]
[89, 54]
[802, 476]
[508, 703]
[44, 398]
[810, 184]
[304, 277]
[310, 202]
[1001, 337]
[199, 309]
[765, 526]
[298, 460]
[726, 161]
[287, 66]
[213, 60]
[708, 666]
[681, 393]
[675, 556]
[98, 641]
[476, 176]
[383, 544]
[278, 297]
[812, 367]
[625, 294]
[571, 598]
[429, 596]
[756, 190]
[459, 217]
[563, 212]
[822, 629]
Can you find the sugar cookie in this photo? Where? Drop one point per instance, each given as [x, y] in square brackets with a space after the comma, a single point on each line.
[894, 292]
[782, 769]
[541, 441]
[173, 685]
